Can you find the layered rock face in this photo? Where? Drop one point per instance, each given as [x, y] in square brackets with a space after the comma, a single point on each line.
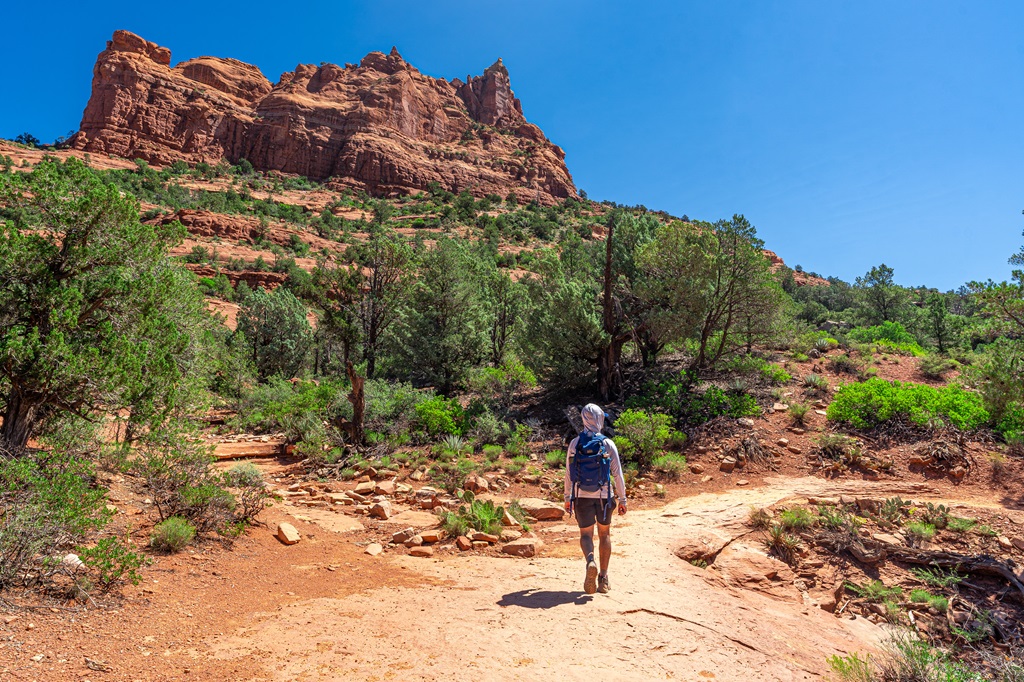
[380, 125]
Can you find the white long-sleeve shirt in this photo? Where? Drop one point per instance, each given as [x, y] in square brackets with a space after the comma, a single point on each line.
[616, 466]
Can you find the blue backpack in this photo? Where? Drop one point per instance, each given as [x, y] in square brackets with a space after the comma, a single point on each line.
[591, 468]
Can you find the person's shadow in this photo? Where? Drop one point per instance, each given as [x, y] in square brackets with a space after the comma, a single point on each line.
[543, 599]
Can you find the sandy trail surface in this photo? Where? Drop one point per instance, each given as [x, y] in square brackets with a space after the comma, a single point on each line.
[529, 619]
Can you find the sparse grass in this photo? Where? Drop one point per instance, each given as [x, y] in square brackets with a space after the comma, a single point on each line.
[919, 532]
[852, 668]
[555, 459]
[516, 511]
[760, 519]
[936, 601]
[875, 591]
[936, 577]
[959, 524]
[516, 464]
[986, 530]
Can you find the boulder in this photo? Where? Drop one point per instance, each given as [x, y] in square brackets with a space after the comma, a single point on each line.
[463, 543]
[373, 549]
[381, 510]
[385, 488]
[541, 510]
[523, 547]
[422, 551]
[727, 465]
[403, 535]
[287, 534]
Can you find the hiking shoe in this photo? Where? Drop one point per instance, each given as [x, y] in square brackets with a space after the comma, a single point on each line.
[590, 584]
[603, 586]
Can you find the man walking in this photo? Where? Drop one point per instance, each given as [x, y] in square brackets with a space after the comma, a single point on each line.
[592, 465]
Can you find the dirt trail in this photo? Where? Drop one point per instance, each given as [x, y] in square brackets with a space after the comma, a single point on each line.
[504, 619]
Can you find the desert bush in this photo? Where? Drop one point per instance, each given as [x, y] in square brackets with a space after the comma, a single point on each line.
[114, 562]
[487, 428]
[679, 398]
[671, 464]
[760, 519]
[852, 668]
[875, 402]
[936, 577]
[936, 515]
[892, 510]
[438, 416]
[390, 406]
[297, 408]
[936, 367]
[890, 335]
[919, 532]
[555, 459]
[958, 524]
[499, 385]
[937, 602]
[49, 506]
[172, 535]
[798, 412]
[796, 519]
[642, 436]
[475, 514]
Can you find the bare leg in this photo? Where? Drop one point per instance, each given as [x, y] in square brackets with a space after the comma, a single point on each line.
[604, 535]
[587, 541]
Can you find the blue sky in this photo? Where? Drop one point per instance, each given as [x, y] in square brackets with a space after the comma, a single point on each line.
[850, 134]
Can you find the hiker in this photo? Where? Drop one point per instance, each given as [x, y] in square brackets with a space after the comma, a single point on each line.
[591, 465]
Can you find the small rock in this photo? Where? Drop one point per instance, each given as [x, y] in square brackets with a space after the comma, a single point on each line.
[477, 484]
[403, 535]
[111, 509]
[366, 488]
[706, 479]
[509, 535]
[435, 535]
[727, 465]
[422, 551]
[823, 413]
[697, 469]
[508, 520]
[1003, 541]
[523, 547]
[958, 473]
[797, 430]
[464, 543]
[783, 442]
[745, 421]
[485, 537]
[1018, 543]
[287, 534]
[414, 541]
[743, 482]
[381, 510]
[480, 544]
[541, 510]
[780, 407]
[72, 562]
[385, 488]
[794, 449]
[416, 476]
[38, 658]
[373, 549]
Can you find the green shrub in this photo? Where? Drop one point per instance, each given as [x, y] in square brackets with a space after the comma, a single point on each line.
[960, 525]
[672, 464]
[492, 451]
[438, 416]
[798, 412]
[114, 562]
[483, 516]
[172, 535]
[796, 519]
[891, 335]
[935, 366]
[774, 374]
[641, 436]
[679, 398]
[875, 591]
[936, 577]
[390, 406]
[487, 428]
[296, 408]
[919, 532]
[875, 402]
[781, 543]
[816, 382]
[852, 668]
[48, 504]
[938, 602]
[555, 459]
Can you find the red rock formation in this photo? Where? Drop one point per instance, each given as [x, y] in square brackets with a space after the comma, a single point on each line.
[802, 279]
[381, 125]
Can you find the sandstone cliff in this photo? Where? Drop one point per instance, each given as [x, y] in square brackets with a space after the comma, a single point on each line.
[380, 125]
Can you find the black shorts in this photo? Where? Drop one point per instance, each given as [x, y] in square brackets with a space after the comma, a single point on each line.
[590, 510]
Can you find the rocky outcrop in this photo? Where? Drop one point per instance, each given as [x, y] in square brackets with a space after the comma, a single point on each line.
[380, 125]
[800, 278]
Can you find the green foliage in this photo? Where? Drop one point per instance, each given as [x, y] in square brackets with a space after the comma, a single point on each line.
[875, 401]
[893, 509]
[555, 459]
[937, 602]
[114, 562]
[936, 366]
[816, 382]
[919, 532]
[500, 385]
[781, 543]
[516, 511]
[937, 515]
[94, 315]
[642, 436]
[672, 464]
[438, 416]
[875, 591]
[172, 535]
[276, 331]
[852, 668]
[796, 519]
[936, 577]
[679, 398]
[48, 504]
[798, 412]
[483, 516]
[959, 524]
[297, 408]
[880, 299]
[890, 335]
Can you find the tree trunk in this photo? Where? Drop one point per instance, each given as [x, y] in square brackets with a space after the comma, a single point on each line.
[358, 400]
[19, 419]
